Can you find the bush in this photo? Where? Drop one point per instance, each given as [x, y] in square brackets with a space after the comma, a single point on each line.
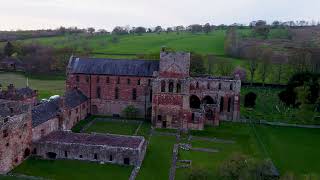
[197, 173]
[250, 100]
[130, 112]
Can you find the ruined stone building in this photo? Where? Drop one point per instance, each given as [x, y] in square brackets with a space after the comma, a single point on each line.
[162, 90]
[15, 133]
[115, 149]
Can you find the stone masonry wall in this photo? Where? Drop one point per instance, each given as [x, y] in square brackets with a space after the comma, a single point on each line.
[45, 128]
[15, 140]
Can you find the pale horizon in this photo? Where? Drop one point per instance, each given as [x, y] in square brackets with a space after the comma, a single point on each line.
[106, 14]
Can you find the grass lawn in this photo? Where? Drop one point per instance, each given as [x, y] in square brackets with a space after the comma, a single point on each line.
[113, 127]
[292, 149]
[245, 142]
[157, 161]
[12, 178]
[69, 169]
[46, 88]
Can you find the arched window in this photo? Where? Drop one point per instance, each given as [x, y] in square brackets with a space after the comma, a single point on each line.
[170, 86]
[192, 117]
[194, 102]
[219, 86]
[163, 86]
[134, 94]
[231, 87]
[116, 93]
[98, 92]
[229, 104]
[221, 104]
[207, 100]
[178, 88]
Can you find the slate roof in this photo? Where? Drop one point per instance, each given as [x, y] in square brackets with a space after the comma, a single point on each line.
[26, 91]
[93, 139]
[45, 111]
[119, 67]
[74, 98]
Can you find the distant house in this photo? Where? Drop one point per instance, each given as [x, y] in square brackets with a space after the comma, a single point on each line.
[12, 64]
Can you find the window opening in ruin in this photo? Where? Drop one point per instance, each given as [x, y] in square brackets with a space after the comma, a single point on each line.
[116, 93]
[65, 154]
[194, 102]
[77, 78]
[163, 86]
[98, 79]
[96, 156]
[80, 156]
[11, 110]
[221, 104]
[6, 120]
[5, 133]
[34, 151]
[192, 117]
[118, 80]
[231, 87]
[128, 81]
[134, 94]
[7, 144]
[126, 161]
[208, 100]
[107, 80]
[98, 92]
[171, 87]
[219, 86]
[197, 85]
[149, 82]
[110, 158]
[159, 118]
[139, 81]
[178, 88]
[209, 114]
[229, 104]
[164, 124]
[150, 95]
[208, 86]
[87, 78]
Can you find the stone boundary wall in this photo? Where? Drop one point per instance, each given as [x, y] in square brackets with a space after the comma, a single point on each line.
[264, 122]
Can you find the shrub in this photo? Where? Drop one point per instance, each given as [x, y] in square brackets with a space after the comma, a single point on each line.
[250, 99]
[130, 112]
[197, 173]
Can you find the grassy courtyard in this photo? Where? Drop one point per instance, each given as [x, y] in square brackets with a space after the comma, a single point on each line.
[68, 169]
[113, 127]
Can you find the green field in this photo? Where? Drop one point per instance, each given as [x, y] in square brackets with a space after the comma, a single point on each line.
[113, 127]
[45, 87]
[69, 169]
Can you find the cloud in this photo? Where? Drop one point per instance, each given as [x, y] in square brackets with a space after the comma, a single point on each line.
[35, 14]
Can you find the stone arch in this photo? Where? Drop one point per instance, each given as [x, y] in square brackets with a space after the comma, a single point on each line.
[178, 87]
[194, 102]
[171, 86]
[163, 86]
[208, 100]
[26, 153]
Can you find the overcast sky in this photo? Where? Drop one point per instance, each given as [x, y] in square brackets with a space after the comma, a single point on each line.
[39, 14]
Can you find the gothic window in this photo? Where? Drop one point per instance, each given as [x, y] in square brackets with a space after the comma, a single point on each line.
[231, 87]
[96, 156]
[65, 154]
[107, 80]
[178, 88]
[116, 93]
[159, 118]
[110, 158]
[163, 86]
[98, 92]
[128, 81]
[171, 87]
[221, 104]
[134, 94]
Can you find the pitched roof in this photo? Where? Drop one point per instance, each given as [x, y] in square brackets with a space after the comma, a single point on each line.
[120, 67]
[45, 111]
[74, 98]
[93, 139]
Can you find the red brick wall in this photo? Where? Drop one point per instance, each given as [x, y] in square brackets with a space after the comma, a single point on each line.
[74, 115]
[107, 91]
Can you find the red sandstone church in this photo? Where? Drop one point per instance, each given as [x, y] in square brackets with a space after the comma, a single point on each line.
[162, 90]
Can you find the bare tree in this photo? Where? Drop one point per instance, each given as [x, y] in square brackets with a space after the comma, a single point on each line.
[252, 53]
[265, 64]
